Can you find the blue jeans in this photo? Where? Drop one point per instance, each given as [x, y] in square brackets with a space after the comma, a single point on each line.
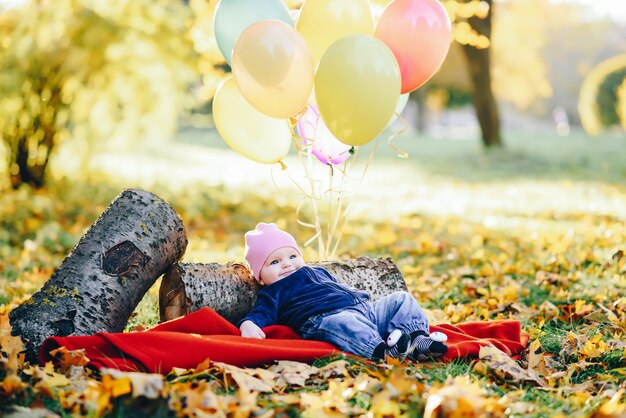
[360, 328]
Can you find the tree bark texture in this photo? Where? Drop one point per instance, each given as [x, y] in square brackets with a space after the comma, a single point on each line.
[479, 61]
[99, 284]
[231, 290]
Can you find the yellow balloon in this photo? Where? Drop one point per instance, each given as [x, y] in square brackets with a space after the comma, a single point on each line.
[322, 22]
[357, 86]
[273, 68]
[246, 130]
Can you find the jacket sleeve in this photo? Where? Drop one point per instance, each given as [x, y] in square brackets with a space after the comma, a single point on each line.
[264, 312]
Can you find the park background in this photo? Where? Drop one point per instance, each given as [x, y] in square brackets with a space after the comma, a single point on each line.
[521, 221]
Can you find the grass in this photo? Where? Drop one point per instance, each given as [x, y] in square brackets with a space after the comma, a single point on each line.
[530, 232]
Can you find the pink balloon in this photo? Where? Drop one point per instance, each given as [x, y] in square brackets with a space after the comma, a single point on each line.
[325, 147]
[419, 34]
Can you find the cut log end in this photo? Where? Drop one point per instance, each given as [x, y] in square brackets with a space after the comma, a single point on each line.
[99, 284]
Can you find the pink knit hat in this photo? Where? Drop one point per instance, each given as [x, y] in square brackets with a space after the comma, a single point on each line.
[262, 241]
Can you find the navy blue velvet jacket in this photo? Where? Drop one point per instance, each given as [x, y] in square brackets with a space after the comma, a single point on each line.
[306, 292]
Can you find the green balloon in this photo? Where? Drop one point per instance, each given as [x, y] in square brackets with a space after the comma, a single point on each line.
[233, 16]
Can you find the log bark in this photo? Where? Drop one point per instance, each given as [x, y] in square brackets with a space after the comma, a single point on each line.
[231, 290]
[99, 284]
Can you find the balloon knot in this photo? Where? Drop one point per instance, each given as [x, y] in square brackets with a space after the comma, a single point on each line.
[283, 166]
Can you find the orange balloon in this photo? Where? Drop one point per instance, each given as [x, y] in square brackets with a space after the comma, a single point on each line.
[418, 32]
[273, 68]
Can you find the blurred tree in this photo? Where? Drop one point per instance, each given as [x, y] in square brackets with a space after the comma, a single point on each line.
[212, 65]
[520, 74]
[89, 69]
[473, 27]
[516, 36]
[608, 95]
[576, 42]
[601, 95]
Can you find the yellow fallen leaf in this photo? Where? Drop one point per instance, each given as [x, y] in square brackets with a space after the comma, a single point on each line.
[149, 385]
[537, 359]
[116, 387]
[494, 360]
[336, 368]
[400, 384]
[594, 347]
[11, 345]
[314, 407]
[47, 377]
[461, 398]
[294, 372]
[614, 408]
[243, 378]
[286, 398]
[12, 384]
[385, 404]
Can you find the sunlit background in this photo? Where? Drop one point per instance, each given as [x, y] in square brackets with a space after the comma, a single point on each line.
[498, 189]
[123, 91]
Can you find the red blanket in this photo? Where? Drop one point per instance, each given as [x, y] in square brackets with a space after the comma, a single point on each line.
[187, 341]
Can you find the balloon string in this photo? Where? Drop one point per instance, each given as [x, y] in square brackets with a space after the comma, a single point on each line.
[339, 200]
[348, 211]
[405, 125]
[308, 169]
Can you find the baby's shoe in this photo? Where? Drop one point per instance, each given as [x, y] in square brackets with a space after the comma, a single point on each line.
[398, 347]
[424, 347]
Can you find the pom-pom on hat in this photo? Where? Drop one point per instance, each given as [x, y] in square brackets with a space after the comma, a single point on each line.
[262, 241]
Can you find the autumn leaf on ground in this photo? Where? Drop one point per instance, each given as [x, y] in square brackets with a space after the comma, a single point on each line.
[11, 345]
[65, 358]
[25, 412]
[198, 399]
[335, 368]
[46, 377]
[461, 398]
[538, 360]
[495, 361]
[243, 377]
[400, 384]
[614, 408]
[385, 404]
[149, 385]
[594, 347]
[333, 402]
[294, 373]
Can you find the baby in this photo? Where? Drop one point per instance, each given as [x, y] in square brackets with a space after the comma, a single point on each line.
[312, 302]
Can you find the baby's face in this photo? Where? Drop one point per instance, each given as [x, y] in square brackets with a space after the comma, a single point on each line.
[280, 264]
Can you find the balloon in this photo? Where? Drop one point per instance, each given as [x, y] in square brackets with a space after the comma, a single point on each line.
[402, 101]
[273, 68]
[233, 16]
[378, 6]
[322, 22]
[419, 34]
[245, 129]
[325, 147]
[357, 86]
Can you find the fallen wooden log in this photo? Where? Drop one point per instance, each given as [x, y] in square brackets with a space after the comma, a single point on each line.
[231, 290]
[99, 284]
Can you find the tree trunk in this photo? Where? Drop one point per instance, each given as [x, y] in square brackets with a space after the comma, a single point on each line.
[231, 290]
[27, 164]
[479, 61]
[102, 280]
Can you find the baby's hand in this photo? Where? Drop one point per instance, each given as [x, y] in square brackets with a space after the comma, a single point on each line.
[250, 330]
